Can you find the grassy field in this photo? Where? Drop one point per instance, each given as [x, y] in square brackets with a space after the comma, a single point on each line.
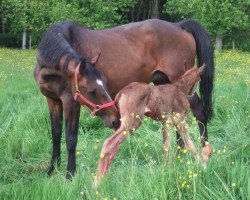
[138, 171]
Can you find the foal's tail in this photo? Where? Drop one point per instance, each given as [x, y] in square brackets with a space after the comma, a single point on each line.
[57, 42]
[205, 54]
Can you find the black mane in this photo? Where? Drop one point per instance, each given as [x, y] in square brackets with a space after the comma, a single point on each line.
[57, 42]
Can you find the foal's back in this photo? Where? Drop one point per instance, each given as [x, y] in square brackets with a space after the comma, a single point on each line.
[141, 98]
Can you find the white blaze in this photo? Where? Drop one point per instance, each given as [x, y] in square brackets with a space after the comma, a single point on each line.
[99, 82]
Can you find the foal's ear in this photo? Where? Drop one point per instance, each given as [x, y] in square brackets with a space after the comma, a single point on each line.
[201, 69]
[95, 59]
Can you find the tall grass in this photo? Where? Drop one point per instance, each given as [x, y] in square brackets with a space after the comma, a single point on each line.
[138, 171]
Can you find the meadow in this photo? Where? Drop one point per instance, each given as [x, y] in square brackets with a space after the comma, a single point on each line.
[138, 171]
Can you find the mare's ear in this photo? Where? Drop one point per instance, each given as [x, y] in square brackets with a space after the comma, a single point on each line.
[95, 59]
[201, 69]
[82, 68]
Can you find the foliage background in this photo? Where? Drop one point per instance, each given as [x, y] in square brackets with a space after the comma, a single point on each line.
[228, 19]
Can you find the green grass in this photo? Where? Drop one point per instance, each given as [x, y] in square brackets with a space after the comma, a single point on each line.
[137, 171]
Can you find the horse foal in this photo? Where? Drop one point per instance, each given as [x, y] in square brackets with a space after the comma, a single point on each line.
[166, 103]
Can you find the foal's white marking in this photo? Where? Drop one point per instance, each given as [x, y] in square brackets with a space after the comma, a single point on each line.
[99, 82]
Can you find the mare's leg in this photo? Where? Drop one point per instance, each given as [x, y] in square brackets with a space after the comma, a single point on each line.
[111, 146]
[56, 114]
[179, 140]
[189, 145]
[166, 140]
[196, 106]
[72, 113]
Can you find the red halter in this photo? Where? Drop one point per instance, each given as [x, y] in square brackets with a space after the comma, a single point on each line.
[78, 94]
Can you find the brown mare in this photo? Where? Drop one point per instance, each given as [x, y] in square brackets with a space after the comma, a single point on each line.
[151, 50]
[167, 103]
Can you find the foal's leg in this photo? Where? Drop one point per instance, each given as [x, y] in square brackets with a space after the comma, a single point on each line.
[196, 106]
[166, 140]
[56, 114]
[111, 146]
[189, 145]
[71, 112]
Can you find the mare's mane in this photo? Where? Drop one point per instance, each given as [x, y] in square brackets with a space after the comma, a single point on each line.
[58, 41]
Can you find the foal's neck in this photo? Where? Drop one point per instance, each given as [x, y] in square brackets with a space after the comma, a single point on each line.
[185, 84]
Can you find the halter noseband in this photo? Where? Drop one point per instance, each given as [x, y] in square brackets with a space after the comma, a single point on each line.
[79, 94]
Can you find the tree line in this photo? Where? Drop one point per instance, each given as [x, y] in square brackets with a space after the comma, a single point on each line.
[23, 21]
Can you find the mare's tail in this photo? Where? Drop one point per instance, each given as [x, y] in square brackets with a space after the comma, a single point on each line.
[205, 54]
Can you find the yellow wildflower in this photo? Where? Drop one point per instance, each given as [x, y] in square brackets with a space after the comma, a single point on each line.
[124, 132]
[102, 155]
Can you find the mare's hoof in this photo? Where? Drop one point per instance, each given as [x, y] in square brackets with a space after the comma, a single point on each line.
[69, 176]
[49, 170]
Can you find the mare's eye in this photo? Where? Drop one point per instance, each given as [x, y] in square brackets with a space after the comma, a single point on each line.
[92, 93]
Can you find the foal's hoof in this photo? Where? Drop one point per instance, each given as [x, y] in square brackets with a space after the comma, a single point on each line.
[206, 153]
[96, 184]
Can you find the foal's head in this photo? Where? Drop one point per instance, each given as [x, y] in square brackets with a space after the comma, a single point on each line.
[191, 79]
[89, 88]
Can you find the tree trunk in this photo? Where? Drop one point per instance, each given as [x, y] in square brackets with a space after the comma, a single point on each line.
[24, 40]
[139, 11]
[30, 42]
[155, 9]
[3, 21]
[3, 27]
[233, 44]
[218, 42]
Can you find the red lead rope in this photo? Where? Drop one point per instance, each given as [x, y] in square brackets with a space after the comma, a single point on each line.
[78, 94]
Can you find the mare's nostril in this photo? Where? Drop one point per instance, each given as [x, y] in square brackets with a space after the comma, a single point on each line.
[116, 124]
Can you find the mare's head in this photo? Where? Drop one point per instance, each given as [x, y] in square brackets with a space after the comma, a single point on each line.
[89, 88]
[192, 77]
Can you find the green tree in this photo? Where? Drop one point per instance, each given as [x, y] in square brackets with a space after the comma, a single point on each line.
[32, 17]
[91, 13]
[220, 17]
